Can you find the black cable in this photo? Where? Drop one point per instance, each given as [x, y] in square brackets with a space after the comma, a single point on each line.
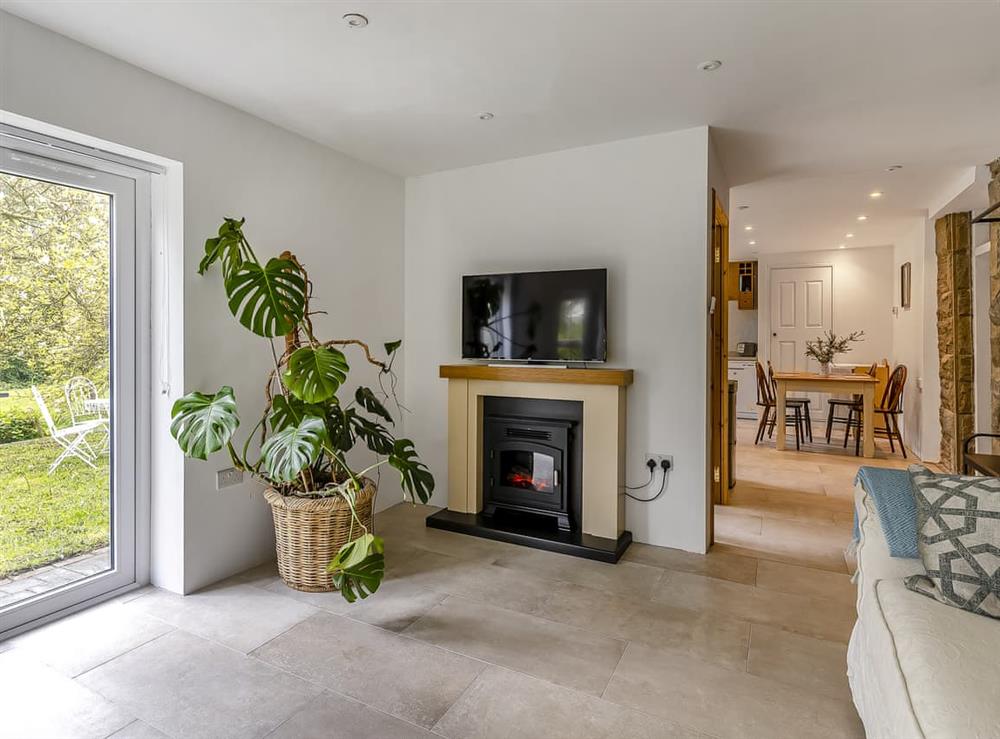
[652, 471]
[663, 486]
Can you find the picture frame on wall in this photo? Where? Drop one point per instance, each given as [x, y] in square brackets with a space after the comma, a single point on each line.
[904, 285]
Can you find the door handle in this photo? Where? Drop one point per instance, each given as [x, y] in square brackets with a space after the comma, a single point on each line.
[774, 333]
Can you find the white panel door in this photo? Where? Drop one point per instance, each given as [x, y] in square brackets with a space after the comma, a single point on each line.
[801, 309]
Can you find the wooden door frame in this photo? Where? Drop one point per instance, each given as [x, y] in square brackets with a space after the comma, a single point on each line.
[718, 364]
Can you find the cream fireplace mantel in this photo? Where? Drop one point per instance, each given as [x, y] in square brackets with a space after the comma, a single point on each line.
[603, 395]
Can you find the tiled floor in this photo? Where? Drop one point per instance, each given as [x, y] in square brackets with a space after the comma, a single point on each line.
[473, 638]
[794, 507]
[466, 638]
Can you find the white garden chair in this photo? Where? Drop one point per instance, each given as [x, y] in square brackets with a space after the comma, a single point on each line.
[81, 399]
[73, 438]
[86, 405]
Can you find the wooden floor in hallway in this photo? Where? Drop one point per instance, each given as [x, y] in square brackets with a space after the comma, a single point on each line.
[794, 506]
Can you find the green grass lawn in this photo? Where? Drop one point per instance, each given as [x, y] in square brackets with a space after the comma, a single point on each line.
[45, 517]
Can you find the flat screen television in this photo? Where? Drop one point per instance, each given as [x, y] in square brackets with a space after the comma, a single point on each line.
[559, 316]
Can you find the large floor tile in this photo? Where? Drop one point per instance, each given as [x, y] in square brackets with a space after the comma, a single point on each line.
[138, 730]
[711, 637]
[787, 578]
[84, 640]
[475, 579]
[555, 652]
[713, 564]
[824, 618]
[624, 578]
[405, 677]
[190, 687]
[723, 702]
[238, 615]
[734, 522]
[814, 664]
[332, 716]
[395, 605]
[37, 701]
[506, 704]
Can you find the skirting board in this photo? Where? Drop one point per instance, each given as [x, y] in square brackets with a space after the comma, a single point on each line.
[574, 543]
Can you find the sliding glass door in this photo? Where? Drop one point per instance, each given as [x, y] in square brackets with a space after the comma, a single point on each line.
[69, 379]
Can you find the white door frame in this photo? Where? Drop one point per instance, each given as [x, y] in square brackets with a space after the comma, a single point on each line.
[130, 188]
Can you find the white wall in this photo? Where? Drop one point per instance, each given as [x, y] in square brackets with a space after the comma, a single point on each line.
[862, 297]
[637, 207]
[343, 218]
[742, 326]
[908, 333]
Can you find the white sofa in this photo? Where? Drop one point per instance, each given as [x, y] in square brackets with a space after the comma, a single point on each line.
[917, 668]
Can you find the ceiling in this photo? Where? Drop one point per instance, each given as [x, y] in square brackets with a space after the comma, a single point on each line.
[809, 214]
[813, 97]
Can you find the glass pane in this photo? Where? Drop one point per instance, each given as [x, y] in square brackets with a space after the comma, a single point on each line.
[55, 482]
[527, 470]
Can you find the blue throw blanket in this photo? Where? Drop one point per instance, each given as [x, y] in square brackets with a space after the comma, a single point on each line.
[896, 508]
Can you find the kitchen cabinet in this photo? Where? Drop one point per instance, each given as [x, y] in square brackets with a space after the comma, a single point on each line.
[743, 284]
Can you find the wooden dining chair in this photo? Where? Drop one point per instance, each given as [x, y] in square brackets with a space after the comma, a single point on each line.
[794, 401]
[769, 414]
[890, 407]
[834, 404]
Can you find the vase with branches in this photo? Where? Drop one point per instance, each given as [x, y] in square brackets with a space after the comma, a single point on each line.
[824, 349]
[307, 429]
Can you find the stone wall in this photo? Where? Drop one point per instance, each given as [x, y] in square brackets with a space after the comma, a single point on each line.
[994, 190]
[953, 235]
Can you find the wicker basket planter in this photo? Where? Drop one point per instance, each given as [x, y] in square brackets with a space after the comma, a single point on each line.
[308, 532]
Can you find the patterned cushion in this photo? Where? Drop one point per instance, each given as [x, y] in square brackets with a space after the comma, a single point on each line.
[958, 529]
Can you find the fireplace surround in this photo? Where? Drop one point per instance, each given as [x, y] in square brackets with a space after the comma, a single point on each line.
[525, 512]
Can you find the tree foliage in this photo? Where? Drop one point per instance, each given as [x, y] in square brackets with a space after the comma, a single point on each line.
[54, 278]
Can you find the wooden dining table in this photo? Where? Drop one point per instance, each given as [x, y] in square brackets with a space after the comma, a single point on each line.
[813, 382]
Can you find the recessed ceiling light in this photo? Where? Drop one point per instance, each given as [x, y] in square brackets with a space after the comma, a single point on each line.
[862, 218]
[848, 236]
[748, 228]
[710, 66]
[355, 20]
[843, 246]
[875, 194]
[486, 116]
[894, 168]
[753, 243]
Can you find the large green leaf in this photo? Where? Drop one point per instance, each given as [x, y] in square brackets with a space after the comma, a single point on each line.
[341, 427]
[290, 411]
[359, 567]
[392, 346]
[375, 435]
[414, 476]
[293, 449]
[370, 402]
[268, 300]
[225, 247]
[202, 423]
[315, 373]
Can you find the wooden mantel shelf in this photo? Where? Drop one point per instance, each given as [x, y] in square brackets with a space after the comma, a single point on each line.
[601, 376]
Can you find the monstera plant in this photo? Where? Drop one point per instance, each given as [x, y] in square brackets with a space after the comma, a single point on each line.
[306, 429]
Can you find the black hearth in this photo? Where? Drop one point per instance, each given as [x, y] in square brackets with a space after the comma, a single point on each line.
[532, 460]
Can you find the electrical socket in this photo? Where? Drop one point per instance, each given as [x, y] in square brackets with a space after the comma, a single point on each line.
[228, 477]
[659, 458]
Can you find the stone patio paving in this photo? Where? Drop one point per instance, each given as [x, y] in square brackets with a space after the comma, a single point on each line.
[54, 575]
